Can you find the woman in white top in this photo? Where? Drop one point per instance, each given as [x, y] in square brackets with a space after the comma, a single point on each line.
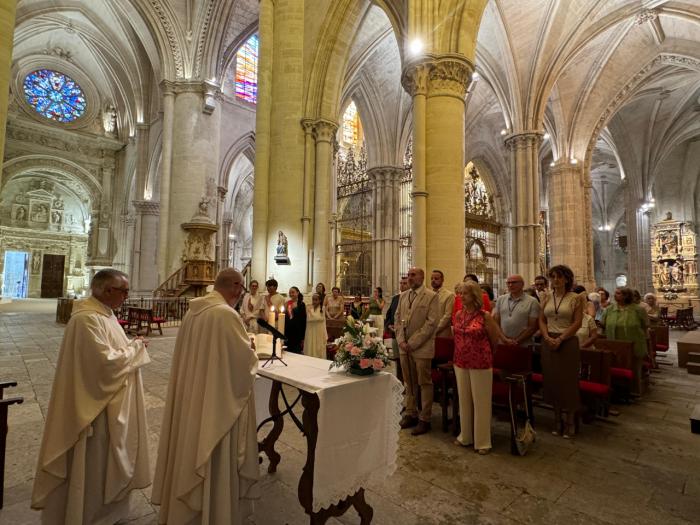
[316, 336]
[252, 308]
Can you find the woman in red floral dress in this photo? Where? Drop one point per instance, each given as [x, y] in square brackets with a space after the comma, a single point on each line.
[475, 332]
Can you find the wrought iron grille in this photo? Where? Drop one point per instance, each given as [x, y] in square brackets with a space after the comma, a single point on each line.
[353, 249]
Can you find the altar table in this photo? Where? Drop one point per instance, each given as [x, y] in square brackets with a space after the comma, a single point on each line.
[351, 425]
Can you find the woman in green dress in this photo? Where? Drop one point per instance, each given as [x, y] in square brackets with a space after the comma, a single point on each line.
[627, 321]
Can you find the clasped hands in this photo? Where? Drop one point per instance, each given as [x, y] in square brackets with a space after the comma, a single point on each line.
[143, 339]
[554, 342]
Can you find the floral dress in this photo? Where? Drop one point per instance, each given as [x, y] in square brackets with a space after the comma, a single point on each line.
[472, 344]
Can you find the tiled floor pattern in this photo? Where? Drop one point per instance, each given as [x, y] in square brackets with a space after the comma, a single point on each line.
[641, 467]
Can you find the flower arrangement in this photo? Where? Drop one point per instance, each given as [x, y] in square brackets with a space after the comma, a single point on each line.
[359, 351]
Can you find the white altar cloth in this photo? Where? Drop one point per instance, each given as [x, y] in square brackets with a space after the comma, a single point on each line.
[358, 424]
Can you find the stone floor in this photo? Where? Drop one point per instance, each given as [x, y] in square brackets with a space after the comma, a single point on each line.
[641, 467]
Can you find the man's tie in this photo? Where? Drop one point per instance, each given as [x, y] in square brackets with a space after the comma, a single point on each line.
[411, 297]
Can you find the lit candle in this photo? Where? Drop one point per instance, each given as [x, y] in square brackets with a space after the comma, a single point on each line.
[280, 324]
[271, 317]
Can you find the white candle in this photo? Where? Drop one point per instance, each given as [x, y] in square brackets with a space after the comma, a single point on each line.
[271, 317]
[280, 324]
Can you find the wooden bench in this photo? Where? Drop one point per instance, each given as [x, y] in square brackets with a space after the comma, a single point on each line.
[621, 375]
[594, 382]
[140, 318]
[4, 405]
[694, 421]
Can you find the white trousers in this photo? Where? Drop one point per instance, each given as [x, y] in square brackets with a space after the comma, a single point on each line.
[474, 389]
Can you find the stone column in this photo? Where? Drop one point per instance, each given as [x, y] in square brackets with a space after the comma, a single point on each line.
[570, 235]
[195, 161]
[226, 226]
[308, 208]
[263, 115]
[638, 242]
[165, 170]
[142, 136]
[448, 79]
[415, 82]
[324, 131]
[145, 270]
[523, 150]
[220, 238]
[386, 182]
[7, 32]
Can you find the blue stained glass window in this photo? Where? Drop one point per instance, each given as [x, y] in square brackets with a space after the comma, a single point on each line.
[54, 95]
[247, 70]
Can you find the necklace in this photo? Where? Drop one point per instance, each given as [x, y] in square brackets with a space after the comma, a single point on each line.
[557, 306]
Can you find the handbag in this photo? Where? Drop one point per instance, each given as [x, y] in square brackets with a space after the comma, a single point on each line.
[524, 439]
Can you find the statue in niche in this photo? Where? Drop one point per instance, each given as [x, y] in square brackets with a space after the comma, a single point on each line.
[109, 120]
[58, 203]
[40, 213]
[669, 243]
[664, 274]
[36, 262]
[282, 244]
[56, 217]
[669, 216]
[282, 252]
[677, 275]
[21, 214]
[204, 206]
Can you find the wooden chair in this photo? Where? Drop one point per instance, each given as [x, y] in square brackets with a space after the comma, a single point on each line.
[594, 382]
[443, 377]
[4, 405]
[139, 318]
[621, 367]
[658, 337]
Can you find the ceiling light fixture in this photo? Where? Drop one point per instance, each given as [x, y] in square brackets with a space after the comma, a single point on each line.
[416, 46]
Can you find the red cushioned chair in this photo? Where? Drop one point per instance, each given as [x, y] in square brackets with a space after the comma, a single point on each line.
[621, 375]
[443, 377]
[510, 364]
[594, 382]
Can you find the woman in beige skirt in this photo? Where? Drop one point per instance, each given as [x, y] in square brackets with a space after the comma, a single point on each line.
[560, 318]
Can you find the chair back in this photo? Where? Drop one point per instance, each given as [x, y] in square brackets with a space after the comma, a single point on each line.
[444, 350]
[660, 334]
[513, 359]
[621, 350]
[595, 366]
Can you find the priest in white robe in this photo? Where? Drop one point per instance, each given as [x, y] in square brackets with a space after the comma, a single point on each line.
[207, 465]
[94, 450]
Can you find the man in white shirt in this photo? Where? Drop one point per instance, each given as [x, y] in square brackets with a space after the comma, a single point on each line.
[517, 312]
[446, 300]
[94, 451]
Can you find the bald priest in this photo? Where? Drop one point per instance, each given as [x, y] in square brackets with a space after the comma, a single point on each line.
[207, 465]
[95, 445]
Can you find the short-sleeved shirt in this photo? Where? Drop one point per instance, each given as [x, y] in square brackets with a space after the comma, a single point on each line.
[514, 314]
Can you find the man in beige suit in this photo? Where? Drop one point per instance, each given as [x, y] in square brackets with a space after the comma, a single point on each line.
[446, 300]
[416, 319]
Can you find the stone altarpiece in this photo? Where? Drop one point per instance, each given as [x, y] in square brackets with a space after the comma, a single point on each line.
[674, 258]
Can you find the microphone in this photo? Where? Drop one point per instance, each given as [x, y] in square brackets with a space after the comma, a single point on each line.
[267, 326]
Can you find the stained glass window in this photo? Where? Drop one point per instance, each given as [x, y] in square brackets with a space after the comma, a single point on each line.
[54, 95]
[351, 125]
[247, 70]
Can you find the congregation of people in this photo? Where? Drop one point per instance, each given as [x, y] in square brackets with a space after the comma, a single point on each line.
[94, 451]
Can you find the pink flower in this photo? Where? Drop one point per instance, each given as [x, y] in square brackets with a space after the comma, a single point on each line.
[355, 351]
[377, 364]
[348, 346]
[365, 363]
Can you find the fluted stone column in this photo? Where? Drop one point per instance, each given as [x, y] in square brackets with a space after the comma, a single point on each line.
[263, 116]
[165, 175]
[438, 85]
[142, 136]
[386, 182]
[125, 242]
[415, 82]
[638, 242]
[144, 276]
[523, 149]
[220, 236]
[7, 32]
[570, 235]
[307, 233]
[226, 227]
[195, 161]
[324, 132]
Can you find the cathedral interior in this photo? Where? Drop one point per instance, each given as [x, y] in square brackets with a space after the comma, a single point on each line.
[343, 142]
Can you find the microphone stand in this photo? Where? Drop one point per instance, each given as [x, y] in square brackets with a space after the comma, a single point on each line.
[276, 334]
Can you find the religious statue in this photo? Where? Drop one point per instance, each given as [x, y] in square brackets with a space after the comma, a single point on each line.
[21, 214]
[282, 252]
[204, 206]
[56, 217]
[282, 245]
[109, 119]
[669, 216]
[36, 262]
[40, 213]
